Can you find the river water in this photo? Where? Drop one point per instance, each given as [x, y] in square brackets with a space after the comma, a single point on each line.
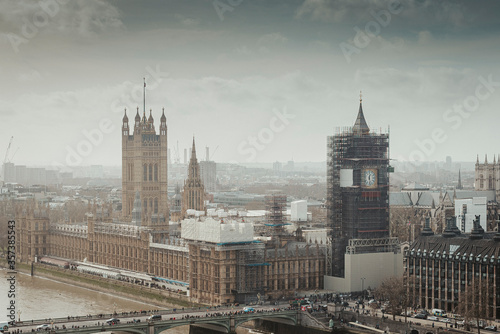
[42, 298]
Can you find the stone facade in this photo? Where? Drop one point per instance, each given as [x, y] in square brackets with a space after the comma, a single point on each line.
[144, 168]
[217, 273]
[442, 268]
[488, 176]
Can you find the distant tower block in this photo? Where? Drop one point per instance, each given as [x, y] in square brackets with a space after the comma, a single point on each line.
[145, 169]
[299, 211]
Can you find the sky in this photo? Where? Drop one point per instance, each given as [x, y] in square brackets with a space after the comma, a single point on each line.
[256, 81]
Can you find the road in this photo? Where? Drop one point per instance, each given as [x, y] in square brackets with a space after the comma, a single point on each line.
[99, 320]
[441, 322]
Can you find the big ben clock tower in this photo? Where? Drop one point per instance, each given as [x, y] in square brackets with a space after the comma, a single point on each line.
[358, 186]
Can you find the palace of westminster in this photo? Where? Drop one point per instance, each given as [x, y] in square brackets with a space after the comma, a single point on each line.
[225, 260]
[219, 260]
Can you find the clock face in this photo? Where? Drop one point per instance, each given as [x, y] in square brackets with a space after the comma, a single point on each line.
[370, 178]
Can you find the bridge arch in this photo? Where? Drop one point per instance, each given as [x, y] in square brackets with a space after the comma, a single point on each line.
[290, 319]
[217, 322]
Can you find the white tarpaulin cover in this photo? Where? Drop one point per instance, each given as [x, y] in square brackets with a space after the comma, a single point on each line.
[215, 231]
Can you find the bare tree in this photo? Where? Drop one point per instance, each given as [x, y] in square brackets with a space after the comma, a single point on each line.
[473, 302]
[393, 291]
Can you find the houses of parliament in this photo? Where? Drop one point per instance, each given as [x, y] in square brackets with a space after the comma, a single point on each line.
[222, 264]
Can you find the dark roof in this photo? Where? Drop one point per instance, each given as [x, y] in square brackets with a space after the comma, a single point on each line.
[428, 199]
[400, 199]
[415, 186]
[360, 125]
[463, 194]
[459, 247]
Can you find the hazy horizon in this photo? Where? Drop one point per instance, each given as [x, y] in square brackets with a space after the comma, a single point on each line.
[256, 81]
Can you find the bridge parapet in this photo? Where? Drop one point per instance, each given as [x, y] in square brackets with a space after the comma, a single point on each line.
[226, 322]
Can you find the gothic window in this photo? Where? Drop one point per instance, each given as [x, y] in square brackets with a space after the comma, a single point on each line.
[150, 172]
[145, 206]
[490, 183]
[156, 172]
[150, 205]
[156, 206]
[145, 172]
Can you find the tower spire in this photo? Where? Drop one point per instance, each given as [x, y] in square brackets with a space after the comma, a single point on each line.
[360, 127]
[193, 151]
[144, 95]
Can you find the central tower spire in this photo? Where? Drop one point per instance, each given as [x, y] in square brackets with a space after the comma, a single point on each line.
[360, 127]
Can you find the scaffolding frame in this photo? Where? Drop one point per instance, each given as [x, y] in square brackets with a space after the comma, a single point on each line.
[356, 211]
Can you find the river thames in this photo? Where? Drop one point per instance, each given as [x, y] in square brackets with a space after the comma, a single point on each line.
[42, 298]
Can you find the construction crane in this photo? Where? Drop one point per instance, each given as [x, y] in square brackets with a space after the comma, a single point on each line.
[13, 154]
[212, 155]
[5, 159]
[8, 148]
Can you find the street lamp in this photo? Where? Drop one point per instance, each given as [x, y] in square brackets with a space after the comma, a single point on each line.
[363, 286]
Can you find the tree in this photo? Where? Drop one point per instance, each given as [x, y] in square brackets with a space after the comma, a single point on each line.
[393, 291]
[473, 302]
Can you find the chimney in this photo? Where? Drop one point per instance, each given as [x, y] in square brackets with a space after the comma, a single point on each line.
[448, 231]
[477, 231]
[427, 231]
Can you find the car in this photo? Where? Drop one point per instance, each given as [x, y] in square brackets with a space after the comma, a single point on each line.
[445, 320]
[461, 322]
[154, 317]
[42, 327]
[420, 316]
[433, 318]
[248, 309]
[113, 321]
[491, 328]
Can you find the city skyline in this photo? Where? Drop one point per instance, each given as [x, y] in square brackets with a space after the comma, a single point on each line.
[257, 82]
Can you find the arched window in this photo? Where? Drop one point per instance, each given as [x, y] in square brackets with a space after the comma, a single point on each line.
[150, 172]
[156, 205]
[145, 172]
[156, 172]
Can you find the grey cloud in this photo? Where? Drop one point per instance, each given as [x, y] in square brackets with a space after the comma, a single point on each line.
[56, 17]
[451, 13]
